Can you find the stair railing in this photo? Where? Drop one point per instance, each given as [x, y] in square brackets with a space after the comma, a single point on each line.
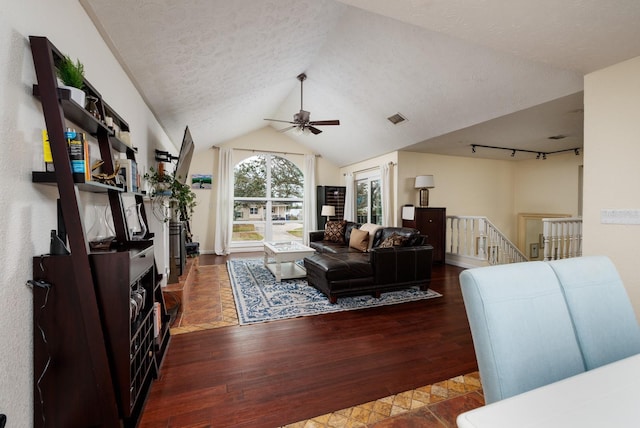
[562, 238]
[477, 238]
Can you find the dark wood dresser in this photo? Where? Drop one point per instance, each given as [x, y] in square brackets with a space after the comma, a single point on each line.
[431, 222]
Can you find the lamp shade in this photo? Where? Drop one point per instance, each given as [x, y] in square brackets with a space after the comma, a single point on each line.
[328, 211]
[424, 182]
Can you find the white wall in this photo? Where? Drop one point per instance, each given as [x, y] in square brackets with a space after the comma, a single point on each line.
[463, 185]
[266, 138]
[496, 189]
[611, 167]
[28, 212]
[548, 186]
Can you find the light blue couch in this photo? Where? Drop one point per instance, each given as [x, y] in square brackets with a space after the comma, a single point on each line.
[535, 323]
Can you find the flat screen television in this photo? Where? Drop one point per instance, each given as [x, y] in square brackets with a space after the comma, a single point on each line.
[184, 158]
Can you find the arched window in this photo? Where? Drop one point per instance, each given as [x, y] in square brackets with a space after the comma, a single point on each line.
[268, 199]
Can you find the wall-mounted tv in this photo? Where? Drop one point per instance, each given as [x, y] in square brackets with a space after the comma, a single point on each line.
[184, 158]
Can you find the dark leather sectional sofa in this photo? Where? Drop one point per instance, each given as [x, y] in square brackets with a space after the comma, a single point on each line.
[339, 270]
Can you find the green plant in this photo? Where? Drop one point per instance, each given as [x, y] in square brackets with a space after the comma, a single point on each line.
[71, 74]
[182, 198]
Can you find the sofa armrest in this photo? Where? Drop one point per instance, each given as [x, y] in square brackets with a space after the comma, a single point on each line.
[316, 235]
[402, 264]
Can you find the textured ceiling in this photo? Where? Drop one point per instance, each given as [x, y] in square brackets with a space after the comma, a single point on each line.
[458, 70]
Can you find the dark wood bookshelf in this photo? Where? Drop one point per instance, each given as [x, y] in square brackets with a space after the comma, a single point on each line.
[96, 353]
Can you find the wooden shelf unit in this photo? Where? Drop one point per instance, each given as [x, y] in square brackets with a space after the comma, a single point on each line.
[330, 195]
[93, 362]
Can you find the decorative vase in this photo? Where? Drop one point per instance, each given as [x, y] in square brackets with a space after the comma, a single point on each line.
[135, 223]
[100, 234]
[143, 226]
[92, 106]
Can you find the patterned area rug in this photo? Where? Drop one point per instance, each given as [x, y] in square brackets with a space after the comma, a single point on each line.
[260, 298]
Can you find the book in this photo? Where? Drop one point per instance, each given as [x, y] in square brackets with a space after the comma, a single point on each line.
[46, 151]
[76, 151]
[128, 173]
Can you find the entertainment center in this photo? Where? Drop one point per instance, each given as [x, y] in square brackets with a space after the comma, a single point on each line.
[101, 329]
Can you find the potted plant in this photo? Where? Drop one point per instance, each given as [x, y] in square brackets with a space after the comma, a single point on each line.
[182, 200]
[72, 76]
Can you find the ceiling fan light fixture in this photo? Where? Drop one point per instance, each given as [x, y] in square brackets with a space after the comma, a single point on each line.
[397, 119]
[302, 123]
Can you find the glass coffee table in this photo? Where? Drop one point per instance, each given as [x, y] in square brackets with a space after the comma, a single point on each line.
[280, 258]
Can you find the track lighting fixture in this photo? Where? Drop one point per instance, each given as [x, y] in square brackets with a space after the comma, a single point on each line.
[513, 151]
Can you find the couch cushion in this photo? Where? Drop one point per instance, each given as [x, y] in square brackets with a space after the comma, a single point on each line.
[371, 228]
[359, 240]
[340, 267]
[394, 240]
[334, 231]
[413, 235]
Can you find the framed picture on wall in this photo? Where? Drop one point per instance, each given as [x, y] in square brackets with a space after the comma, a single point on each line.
[201, 181]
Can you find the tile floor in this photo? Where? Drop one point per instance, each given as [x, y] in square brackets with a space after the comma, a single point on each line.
[207, 302]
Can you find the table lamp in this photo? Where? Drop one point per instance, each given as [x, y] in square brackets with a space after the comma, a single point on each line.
[424, 183]
[328, 211]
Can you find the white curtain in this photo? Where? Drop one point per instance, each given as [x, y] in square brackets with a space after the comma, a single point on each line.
[310, 222]
[224, 207]
[386, 171]
[350, 198]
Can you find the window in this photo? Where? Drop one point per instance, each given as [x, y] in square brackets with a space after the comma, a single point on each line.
[368, 200]
[268, 200]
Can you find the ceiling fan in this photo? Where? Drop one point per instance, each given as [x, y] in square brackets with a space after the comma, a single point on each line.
[301, 121]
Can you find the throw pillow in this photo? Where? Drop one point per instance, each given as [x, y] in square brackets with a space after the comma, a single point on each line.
[334, 231]
[394, 240]
[371, 228]
[359, 240]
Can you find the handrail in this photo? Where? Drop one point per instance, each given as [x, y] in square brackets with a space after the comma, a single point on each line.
[476, 237]
[562, 237]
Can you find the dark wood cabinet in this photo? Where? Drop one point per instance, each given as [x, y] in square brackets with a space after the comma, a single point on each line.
[101, 329]
[431, 222]
[330, 195]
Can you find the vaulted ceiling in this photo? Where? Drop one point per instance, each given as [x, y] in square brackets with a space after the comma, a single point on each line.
[505, 73]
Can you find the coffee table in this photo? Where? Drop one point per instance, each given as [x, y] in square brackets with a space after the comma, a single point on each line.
[284, 255]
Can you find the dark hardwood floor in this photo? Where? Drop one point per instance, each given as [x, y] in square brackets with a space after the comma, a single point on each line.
[277, 373]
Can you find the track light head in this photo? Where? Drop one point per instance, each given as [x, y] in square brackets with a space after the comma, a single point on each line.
[538, 156]
[473, 148]
[577, 152]
[513, 153]
[544, 156]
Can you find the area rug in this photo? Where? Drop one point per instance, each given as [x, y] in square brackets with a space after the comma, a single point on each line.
[259, 298]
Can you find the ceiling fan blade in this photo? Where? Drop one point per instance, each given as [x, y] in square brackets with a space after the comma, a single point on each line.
[325, 122]
[315, 131]
[283, 121]
[287, 128]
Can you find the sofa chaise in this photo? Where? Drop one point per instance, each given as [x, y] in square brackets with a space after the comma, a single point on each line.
[353, 259]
